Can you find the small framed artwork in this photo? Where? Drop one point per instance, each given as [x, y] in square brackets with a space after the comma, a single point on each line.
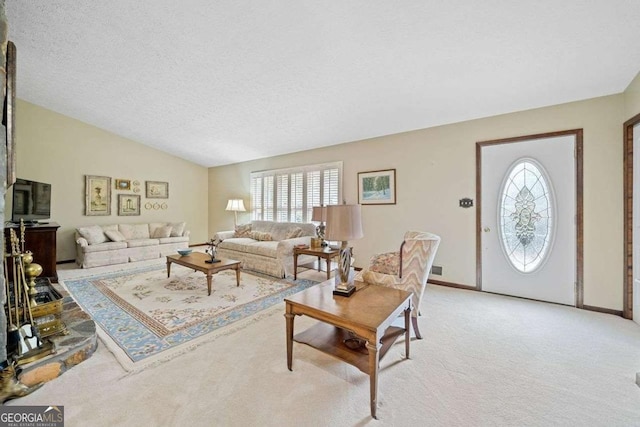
[123, 184]
[97, 195]
[377, 187]
[157, 190]
[128, 204]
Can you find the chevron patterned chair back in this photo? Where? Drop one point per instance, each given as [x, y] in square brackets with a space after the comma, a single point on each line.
[407, 269]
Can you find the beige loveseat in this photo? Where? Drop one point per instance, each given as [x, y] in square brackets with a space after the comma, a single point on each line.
[266, 246]
[99, 245]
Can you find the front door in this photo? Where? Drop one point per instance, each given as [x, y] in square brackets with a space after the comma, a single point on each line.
[528, 214]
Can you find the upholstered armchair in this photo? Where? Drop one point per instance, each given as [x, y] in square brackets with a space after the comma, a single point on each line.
[407, 269]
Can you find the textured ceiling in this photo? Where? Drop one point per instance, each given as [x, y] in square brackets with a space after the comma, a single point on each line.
[228, 81]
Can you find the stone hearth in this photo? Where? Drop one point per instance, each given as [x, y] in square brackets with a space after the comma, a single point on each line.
[71, 349]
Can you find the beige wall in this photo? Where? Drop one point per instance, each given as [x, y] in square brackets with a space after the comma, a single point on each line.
[632, 98]
[59, 150]
[436, 167]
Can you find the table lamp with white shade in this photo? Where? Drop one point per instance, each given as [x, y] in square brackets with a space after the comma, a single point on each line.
[344, 223]
[235, 205]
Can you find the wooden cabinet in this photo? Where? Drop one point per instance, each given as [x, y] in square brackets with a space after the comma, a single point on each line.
[41, 240]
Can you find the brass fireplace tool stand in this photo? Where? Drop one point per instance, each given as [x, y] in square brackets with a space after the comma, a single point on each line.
[24, 336]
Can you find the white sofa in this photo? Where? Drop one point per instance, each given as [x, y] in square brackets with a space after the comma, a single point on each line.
[273, 257]
[99, 245]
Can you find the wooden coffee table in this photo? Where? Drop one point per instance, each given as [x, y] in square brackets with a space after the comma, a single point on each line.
[326, 253]
[367, 314]
[196, 260]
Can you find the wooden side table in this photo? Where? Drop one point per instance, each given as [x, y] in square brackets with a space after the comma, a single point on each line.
[325, 253]
[367, 314]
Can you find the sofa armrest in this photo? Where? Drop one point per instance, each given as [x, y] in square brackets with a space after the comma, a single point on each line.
[82, 241]
[186, 233]
[285, 251]
[288, 244]
[221, 235]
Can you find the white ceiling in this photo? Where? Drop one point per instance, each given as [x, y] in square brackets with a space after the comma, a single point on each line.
[228, 81]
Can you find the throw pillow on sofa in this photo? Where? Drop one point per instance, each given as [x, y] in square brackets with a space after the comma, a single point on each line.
[162, 232]
[115, 236]
[243, 231]
[294, 232]
[262, 236]
[134, 231]
[93, 234]
[177, 229]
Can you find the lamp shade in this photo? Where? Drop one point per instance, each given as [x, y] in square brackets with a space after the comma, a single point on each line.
[319, 214]
[236, 205]
[344, 222]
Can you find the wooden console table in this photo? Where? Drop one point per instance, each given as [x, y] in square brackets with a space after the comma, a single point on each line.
[41, 240]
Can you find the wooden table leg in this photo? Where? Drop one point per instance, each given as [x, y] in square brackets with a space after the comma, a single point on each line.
[295, 266]
[168, 268]
[318, 264]
[374, 361]
[209, 283]
[328, 268]
[238, 275]
[289, 318]
[407, 333]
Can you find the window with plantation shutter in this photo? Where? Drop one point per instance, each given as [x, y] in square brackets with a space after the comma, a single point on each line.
[290, 194]
[256, 197]
[267, 200]
[297, 193]
[282, 198]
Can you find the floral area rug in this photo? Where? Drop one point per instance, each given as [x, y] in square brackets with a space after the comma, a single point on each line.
[145, 318]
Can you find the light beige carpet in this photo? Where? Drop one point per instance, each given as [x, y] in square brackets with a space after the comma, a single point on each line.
[485, 360]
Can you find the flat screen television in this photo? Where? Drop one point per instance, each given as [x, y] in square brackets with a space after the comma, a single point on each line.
[31, 201]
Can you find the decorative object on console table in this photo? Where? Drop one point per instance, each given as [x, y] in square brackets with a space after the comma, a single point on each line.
[344, 223]
[212, 250]
[128, 204]
[319, 214]
[97, 192]
[377, 187]
[157, 190]
[235, 205]
[40, 239]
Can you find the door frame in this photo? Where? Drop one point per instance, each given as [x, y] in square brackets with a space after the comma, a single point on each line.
[579, 288]
[627, 294]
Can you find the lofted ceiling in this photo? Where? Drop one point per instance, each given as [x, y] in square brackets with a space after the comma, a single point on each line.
[222, 82]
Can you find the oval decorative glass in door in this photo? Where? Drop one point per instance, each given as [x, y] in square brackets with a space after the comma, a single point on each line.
[526, 216]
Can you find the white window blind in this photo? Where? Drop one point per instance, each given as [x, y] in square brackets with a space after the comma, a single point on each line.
[290, 194]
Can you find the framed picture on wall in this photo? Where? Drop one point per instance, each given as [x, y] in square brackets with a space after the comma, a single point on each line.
[128, 204]
[377, 187]
[157, 190]
[97, 195]
[123, 184]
